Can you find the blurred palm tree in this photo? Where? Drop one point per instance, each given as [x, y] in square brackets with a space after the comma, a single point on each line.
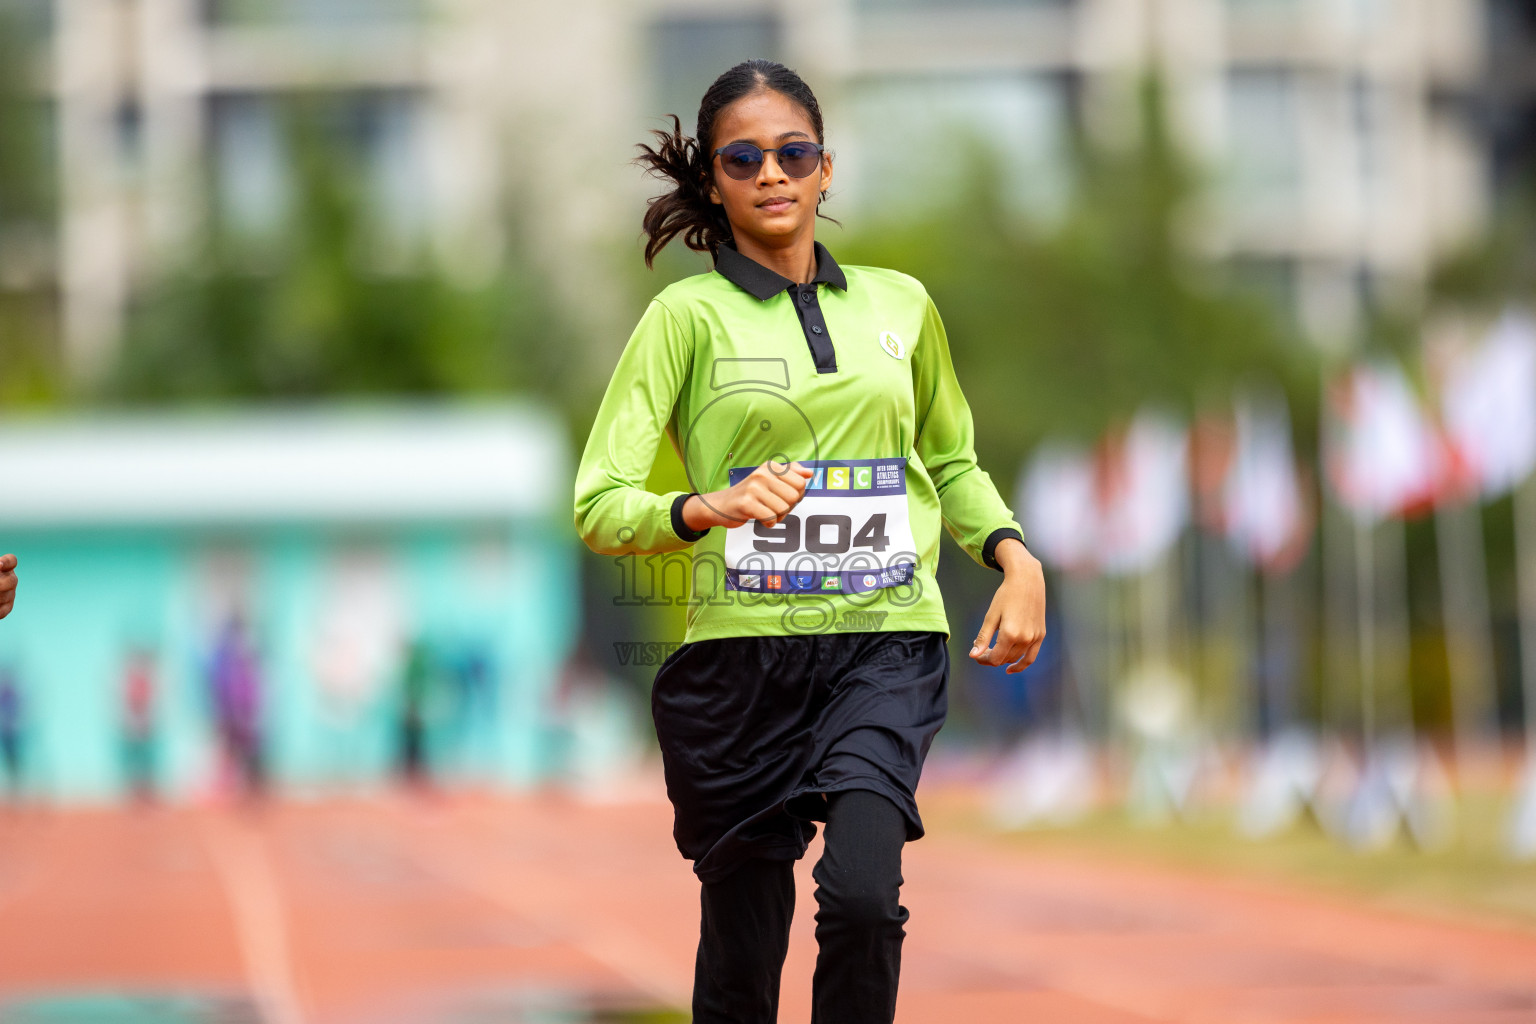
[29, 356]
[1498, 266]
[313, 311]
[1067, 327]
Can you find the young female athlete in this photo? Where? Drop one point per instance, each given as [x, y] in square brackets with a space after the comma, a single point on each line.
[817, 414]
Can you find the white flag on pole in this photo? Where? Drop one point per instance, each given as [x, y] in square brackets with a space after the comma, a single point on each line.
[1262, 495]
[1060, 513]
[1383, 459]
[1144, 493]
[1488, 400]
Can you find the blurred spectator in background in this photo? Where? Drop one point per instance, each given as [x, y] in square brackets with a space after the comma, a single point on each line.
[10, 732]
[235, 678]
[474, 703]
[138, 722]
[416, 684]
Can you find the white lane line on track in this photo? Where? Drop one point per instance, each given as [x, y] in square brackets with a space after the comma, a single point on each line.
[256, 903]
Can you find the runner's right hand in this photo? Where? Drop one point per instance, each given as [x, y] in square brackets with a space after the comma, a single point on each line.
[8, 583]
[766, 494]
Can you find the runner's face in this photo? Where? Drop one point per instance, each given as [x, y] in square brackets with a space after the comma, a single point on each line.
[771, 208]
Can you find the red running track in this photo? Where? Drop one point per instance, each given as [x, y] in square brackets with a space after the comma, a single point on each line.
[397, 910]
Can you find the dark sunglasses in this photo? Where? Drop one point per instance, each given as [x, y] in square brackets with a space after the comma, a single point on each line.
[742, 160]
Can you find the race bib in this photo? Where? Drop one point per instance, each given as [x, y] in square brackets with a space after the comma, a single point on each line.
[849, 534]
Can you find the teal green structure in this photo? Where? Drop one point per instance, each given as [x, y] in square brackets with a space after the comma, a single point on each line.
[485, 582]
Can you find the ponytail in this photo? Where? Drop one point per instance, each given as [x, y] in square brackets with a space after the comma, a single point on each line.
[687, 209]
[686, 163]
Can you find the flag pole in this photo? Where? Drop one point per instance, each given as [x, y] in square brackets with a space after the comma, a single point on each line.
[1079, 640]
[1277, 593]
[1365, 626]
[1333, 539]
[1525, 561]
[1468, 630]
[1398, 628]
[1522, 830]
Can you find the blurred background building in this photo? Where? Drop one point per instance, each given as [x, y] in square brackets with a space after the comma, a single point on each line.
[227, 202]
[1344, 135]
[311, 600]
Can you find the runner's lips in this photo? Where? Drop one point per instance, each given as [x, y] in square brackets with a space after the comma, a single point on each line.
[776, 201]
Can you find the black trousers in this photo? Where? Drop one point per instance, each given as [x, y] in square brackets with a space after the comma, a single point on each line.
[744, 927]
[756, 731]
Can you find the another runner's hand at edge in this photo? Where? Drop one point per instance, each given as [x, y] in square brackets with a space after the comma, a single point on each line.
[766, 495]
[7, 584]
[1017, 614]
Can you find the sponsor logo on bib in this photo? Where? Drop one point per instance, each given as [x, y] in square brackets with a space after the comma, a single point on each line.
[892, 344]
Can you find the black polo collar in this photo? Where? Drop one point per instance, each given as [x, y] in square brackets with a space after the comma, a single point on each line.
[761, 283]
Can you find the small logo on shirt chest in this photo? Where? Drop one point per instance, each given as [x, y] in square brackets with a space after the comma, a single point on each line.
[892, 344]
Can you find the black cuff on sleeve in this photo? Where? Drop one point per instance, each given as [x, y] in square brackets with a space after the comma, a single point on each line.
[989, 549]
[681, 528]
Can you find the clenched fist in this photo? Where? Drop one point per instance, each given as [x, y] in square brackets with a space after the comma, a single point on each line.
[7, 584]
[766, 495]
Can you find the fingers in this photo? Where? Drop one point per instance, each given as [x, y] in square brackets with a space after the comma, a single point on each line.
[984, 638]
[1034, 652]
[772, 505]
[1031, 652]
[770, 515]
[1016, 646]
[8, 581]
[795, 474]
[783, 488]
[769, 493]
[1006, 651]
[774, 489]
[788, 479]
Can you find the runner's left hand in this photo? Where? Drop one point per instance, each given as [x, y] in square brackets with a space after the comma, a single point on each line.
[1017, 614]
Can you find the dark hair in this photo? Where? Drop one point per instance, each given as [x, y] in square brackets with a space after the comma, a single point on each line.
[686, 163]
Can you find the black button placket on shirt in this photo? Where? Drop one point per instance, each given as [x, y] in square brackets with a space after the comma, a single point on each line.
[764, 284]
[815, 327]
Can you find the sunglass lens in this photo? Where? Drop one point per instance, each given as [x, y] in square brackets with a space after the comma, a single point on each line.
[741, 161]
[798, 159]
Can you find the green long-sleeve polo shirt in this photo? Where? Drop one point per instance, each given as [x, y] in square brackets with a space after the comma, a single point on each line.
[850, 374]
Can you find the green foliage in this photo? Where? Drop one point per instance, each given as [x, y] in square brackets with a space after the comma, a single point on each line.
[25, 188]
[311, 312]
[1068, 328]
[28, 350]
[28, 357]
[1499, 266]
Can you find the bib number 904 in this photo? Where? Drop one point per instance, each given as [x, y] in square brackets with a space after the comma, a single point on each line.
[787, 536]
